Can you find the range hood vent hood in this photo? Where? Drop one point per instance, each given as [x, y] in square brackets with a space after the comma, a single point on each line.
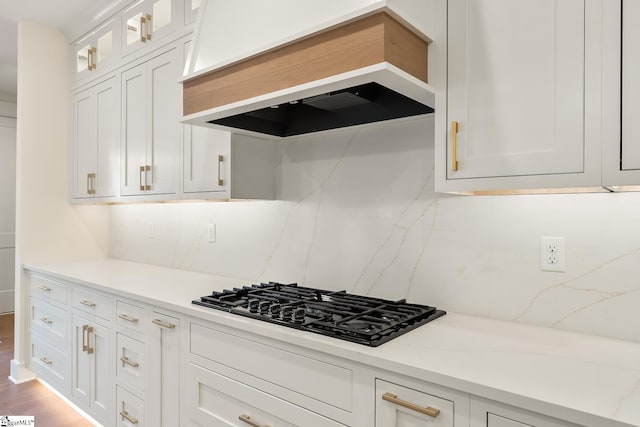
[369, 69]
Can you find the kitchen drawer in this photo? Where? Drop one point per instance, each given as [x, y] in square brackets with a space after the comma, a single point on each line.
[49, 323]
[49, 364]
[131, 361]
[488, 413]
[92, 302]
[407, 406]
[48, 289]
[130, 317]
[310, 377]
[129, 408]
[215, 400]
[498, 421]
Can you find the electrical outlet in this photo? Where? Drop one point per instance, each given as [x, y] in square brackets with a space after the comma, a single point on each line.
[552, 254]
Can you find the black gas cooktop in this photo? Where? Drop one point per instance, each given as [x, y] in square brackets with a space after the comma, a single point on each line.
[360, 319]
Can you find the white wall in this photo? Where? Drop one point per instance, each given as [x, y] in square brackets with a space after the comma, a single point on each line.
[357, 211]
[48, 228]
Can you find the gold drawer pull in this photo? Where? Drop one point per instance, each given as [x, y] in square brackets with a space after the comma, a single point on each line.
[46, 320]
[124, 414]
[220, 180]
[390, 397]
[44, 288]
[247, 419]
[46, 360]
[128, 318]
[163, 324]
[87, 303]
[125, 359]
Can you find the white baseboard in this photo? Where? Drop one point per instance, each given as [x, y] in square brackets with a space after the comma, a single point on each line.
[70, 403]
[20, 373]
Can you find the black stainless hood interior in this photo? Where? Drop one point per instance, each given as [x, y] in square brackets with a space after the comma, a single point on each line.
[370, 69]
[357, 105]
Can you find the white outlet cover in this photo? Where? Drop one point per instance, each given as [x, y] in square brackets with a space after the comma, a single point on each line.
[552, 249]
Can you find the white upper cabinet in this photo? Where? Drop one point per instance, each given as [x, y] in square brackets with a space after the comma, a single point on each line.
[191, 8]
[147, 21]
[519, 86]
[96, 140]
[150, 131]
[96, 52]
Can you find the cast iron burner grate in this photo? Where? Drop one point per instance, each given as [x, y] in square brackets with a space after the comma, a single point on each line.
[360, 319]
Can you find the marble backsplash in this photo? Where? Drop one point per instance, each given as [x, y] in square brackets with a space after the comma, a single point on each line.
[357, 210]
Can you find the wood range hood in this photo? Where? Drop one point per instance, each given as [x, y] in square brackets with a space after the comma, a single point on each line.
[369, 69]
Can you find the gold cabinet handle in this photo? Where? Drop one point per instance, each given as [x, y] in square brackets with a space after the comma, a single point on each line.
[91, 58]
[46, 320]
[46, 360]
[87, 303]
[143, 23]
[454, 146]
[86, 330]
[126, 360]
[141, 172]
[44, 288]
[147, 187]
[247, 419]
[220, 160]
[127, 318]
[390, 397]
[163, 324]
[93, 178]
[124, 414]
[148, 27]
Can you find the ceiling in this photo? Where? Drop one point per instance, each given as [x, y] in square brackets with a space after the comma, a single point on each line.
[56, 13]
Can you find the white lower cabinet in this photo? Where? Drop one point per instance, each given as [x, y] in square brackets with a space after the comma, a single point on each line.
[130, 409]
[215, 400]
[92, 377]
[163, 345]
[487, 413]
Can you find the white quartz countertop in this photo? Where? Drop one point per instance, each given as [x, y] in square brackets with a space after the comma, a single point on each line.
[584, 379]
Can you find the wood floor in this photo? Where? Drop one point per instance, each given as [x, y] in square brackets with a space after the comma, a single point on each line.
[30, 398]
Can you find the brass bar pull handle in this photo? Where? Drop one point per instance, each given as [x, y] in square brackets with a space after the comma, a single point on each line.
[46, 360]
[87, 303]
[390, 397]
[163, 324]
[128, 318]
[454, 146]
[125, 359]
[89, 331]
[44, 288]
[92, 58]
[148, 27]
[247, 419]
[93, 178]
[147, 187]
[143, 23]
[46, 320]
[84, 339]
[220, 160]
[141, 172]
[125, 415]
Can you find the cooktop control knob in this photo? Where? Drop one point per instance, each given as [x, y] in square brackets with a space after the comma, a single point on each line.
[252, 305]
[286, 312]
[274, 310]
[263, 306]
[298, 315]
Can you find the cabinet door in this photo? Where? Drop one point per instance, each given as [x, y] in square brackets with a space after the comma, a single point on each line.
[101, 373]
[105, 40]
[163, 115]
[147, 21]
[516, 81]
[82, 51]
[134, 130]
[164, 360]
[630, 155]
[400, 406]
[206, 159]
[107, 138]
[191, 8]
[85, 142]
